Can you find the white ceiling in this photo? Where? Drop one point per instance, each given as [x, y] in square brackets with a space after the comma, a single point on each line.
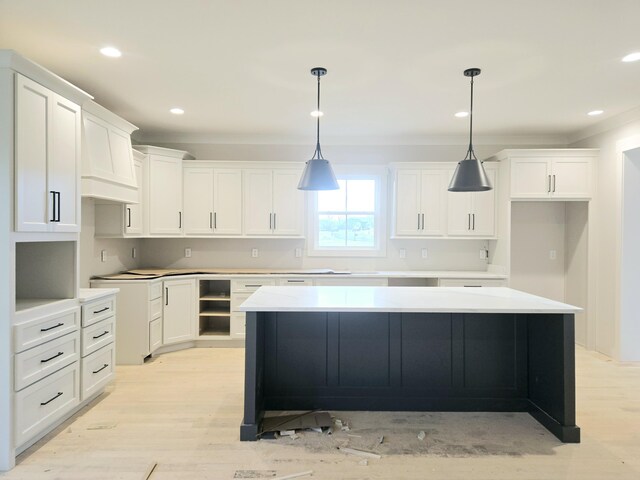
[240, 68]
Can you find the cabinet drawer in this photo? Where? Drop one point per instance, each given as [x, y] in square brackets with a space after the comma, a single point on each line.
[97, 370]
[156, 308]
[294, 282]
[44, 402]
[155, 334]
[98, 335]
[155, 291]
[95, 311]
[238, 325]
[472, 282]
[35, 332]
[250, 284]
[237, 299]
[37, 363]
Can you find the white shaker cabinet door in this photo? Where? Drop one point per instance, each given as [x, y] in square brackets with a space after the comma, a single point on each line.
[165, 195]
[133, 211]
[198, 200]
[459, 213]
[288, 203]
[408, 203]
[34, 202]
[258, 195]
[432, 192]
[64, 163]
[530, 178]
[227, 201]
[571, 178]
[483, 213]
[178, 315]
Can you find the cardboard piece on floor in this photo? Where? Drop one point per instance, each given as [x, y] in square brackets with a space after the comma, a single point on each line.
[296, 422]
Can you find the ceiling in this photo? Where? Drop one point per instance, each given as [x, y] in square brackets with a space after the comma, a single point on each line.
[240, 69]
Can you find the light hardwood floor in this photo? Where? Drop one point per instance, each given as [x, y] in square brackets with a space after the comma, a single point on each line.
[183, 409]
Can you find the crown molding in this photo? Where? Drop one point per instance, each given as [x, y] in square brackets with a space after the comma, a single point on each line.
[605, 125]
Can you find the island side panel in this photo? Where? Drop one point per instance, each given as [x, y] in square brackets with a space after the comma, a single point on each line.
[253, 376]
[551, 340]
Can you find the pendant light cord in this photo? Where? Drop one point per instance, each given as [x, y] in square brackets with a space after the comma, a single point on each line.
[318, 153]
[470, 153]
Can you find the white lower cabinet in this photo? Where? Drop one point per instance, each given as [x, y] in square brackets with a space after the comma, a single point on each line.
[238, 325]
[155, 334]
[472, 282]
[43, 403]
[98, 369]
[178, 312]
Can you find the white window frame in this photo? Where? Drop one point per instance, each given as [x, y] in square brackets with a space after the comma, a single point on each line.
[353, 172]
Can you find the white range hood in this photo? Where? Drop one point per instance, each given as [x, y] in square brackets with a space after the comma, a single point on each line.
[107, 161]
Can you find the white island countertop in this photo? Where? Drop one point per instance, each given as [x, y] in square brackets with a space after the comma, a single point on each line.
[401, 299]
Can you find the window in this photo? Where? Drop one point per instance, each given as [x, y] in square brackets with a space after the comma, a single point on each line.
[349, 221]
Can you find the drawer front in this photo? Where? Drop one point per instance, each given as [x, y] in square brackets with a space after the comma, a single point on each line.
[40, 330]
[98, 369]
[351, 282]
[95, 311]
[250, 284]
[238, 325]
[156, 308]
[98, 335]
[237, 299]
[155, 291]
[155, 334]
[472, 282]
[44, 402]
[35, 364]
[294, 282]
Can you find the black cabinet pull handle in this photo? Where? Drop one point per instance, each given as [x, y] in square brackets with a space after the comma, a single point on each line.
[274, 221]
[101, 335]
[253, 285]
[422, 216]
[51, 328]
[549, 186]
[59, 203]
[53, 208]
[296, 281]
[51, 399]
[101, 368]
[179, 219]
[215, 220]
[418, 221]
[468, 221]
[271, 221]
[51, 358]
[210, 219]
[554, 183]
[128, 217]
[166, 295]
[101, 310]
[474, 221]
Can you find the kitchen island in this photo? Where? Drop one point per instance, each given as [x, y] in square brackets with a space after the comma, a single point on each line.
[409, 349]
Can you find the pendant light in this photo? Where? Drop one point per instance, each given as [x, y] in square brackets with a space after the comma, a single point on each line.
[318, 174]
[470, 175]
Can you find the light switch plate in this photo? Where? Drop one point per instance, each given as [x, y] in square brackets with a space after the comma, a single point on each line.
[298, 252]
[254, 252]
[103, 256]
[187, 252]
[553, 254]
[403, 253]
[133, 252]
[425, 253]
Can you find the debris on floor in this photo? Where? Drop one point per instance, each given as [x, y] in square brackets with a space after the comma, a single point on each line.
[254, 474]
[283, 424]
[380, 440]
[295, 475]
[149, 471]
[363, 463]
[421, 435]
[359, 453]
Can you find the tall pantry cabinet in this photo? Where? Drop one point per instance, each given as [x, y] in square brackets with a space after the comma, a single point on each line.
[40, 158]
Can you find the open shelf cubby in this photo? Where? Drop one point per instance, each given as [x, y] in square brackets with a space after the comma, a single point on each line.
[214, 308]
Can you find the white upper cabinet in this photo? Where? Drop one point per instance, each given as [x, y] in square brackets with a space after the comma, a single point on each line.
[212, 200]
[133, 212]
[473, 214]
[273, 205]
[47, 158]
[420, 202]
[565, 174]
[108, 170]
[163, 187]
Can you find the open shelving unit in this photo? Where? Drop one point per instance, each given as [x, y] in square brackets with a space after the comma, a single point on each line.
[214, 314]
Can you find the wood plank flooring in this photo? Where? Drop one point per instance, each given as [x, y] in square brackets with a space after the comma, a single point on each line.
[182, 410]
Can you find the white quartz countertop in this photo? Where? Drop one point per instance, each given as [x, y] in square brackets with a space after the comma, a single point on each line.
[401, 299]
[89, 294]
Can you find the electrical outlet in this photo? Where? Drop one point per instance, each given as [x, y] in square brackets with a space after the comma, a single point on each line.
[483, 254]
[133, 252]
[425, 253]
[298, 252]
[403, 253]
[553, 254]
[254, 252]
[103, 256]
[187, 252]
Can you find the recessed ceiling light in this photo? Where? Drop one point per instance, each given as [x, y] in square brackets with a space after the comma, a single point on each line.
[177, 111]
[595, 113]
[462, 114]
[111, 52]
[632, 57]
[317, 113]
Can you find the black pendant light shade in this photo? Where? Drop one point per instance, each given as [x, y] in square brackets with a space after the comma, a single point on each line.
[318, 174]
[470, 175]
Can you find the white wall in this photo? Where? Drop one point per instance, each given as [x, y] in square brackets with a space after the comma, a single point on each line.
[118, 249]
[607, 232]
